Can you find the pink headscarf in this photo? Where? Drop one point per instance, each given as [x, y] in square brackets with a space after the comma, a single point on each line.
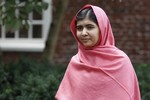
[101, 73]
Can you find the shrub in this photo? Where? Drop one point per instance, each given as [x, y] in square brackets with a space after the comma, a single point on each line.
[29, 80]
[143, 73]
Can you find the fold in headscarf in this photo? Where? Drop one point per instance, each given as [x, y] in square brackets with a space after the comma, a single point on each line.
[101, 73]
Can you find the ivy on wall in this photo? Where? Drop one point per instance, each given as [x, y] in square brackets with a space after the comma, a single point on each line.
[13, 19]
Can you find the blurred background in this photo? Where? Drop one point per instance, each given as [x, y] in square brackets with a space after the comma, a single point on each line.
[36, 43]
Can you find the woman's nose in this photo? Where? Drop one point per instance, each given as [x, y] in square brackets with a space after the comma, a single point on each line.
[84, 32]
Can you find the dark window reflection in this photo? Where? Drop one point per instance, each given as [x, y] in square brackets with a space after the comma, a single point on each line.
[37, 31]
[10, 34]
[23, 33]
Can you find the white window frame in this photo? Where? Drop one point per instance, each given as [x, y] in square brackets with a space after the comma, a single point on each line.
[29, 44]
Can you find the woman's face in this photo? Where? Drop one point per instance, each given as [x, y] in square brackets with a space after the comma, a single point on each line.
[87, 32]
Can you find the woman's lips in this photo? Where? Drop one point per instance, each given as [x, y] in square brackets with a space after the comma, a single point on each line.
[84, 39]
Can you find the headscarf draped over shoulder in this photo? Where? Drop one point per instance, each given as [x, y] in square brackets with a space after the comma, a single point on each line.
[101, 73]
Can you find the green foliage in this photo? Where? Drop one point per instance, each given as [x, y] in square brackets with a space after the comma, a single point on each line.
[14, 20]
[143, 73]
[29, 80]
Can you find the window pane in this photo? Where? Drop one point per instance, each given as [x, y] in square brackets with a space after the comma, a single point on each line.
[10, 34]
[37, 16]
[23, 33]
[39, 0]
[0, 31]
[22, 0]
[37, 31]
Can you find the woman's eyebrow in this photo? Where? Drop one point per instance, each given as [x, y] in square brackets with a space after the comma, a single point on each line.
[85, 25]
[79, 25]
[89, 24]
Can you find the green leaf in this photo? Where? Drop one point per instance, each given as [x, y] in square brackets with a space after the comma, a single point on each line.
[44, 5]
[29, 7]
[38, 8]
[13, 25]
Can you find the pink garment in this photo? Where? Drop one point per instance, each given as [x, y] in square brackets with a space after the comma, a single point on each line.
[101, 73]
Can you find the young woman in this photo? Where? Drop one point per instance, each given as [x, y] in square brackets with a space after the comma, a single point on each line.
[99, 71]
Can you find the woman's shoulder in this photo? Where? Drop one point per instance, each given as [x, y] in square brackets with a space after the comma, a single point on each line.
[114, 51]
[121, 53]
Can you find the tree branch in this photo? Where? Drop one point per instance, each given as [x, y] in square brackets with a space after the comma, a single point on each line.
[54, 30]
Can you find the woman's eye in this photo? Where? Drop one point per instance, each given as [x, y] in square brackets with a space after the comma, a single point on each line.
[90, 27]
[79, 28]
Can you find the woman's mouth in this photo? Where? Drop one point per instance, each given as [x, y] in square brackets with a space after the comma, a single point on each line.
[84, 39]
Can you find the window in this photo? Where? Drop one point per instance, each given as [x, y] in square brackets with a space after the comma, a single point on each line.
[32, 39]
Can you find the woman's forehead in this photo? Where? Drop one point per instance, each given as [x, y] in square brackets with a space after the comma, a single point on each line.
[85, 21]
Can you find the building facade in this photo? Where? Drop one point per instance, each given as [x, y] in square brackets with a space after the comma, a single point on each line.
[130, 20]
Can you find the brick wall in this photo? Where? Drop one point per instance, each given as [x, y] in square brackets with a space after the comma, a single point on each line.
[130, 20]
